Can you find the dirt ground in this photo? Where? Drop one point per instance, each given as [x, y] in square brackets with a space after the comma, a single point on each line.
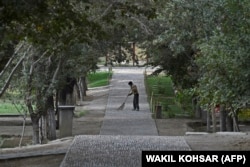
[51, 154]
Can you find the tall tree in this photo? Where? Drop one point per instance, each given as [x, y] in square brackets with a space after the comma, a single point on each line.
[225, 58]
[59, 37]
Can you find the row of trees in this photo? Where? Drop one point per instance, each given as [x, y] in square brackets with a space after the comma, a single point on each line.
[49, 46]
[204, 46]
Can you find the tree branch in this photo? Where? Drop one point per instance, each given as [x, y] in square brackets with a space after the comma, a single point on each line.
[44, 53]
[7, 82]
[106, 10]
[143, 26]
[11, 59]
[54, 77]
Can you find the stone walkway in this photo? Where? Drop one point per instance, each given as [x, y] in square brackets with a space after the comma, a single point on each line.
[124, 133]
[127, 121]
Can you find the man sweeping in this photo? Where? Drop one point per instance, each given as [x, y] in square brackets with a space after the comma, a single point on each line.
[134, 91]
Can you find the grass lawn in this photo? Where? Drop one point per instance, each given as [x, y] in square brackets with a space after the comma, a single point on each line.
[160, 85]
[98, 79]
[94, 80]
[160, 90]
[8, 108]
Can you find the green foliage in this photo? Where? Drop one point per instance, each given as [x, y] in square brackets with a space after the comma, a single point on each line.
[173, 46]
[160, 85]
[97, 79]
[225, 70]
[63, 39]
[224, 59]
[244, 115]
[161, 92]
[184, 98]
[200, 44]
[205, 45]
[79, 114]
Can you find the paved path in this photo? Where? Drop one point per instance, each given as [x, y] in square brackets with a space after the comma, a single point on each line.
[127, 121]
[124, 133]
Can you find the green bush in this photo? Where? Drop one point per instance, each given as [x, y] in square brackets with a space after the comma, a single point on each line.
[184, 98]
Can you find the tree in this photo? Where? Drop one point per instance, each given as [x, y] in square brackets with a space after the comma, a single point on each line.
[204, 45]
[49, 36]
[124, 21]
[59, 38]
[224, 61]
[172, 45]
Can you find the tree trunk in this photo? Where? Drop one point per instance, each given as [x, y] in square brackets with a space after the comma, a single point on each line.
[198, 111]
[133, 56]
[229, 123]
[34, 117]
[84, 85]
[50, 117]
[222, 119]
[81, 90]
[77, 90]
[235, 122]
[208, 121]
[51, 123]
[43, 129]
[214, 120]
[196, 108]
[57, 110]
[35, 125]
[23, 131]
[66, 94]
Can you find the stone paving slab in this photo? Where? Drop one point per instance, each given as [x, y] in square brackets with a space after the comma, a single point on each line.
[117, 151]
[126, 121]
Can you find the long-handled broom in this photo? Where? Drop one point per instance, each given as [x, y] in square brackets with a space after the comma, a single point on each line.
[123, 104]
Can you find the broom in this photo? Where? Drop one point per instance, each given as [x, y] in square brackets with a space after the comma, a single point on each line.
[123, 104]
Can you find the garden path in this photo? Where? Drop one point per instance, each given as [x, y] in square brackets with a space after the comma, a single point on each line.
[124, 133]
